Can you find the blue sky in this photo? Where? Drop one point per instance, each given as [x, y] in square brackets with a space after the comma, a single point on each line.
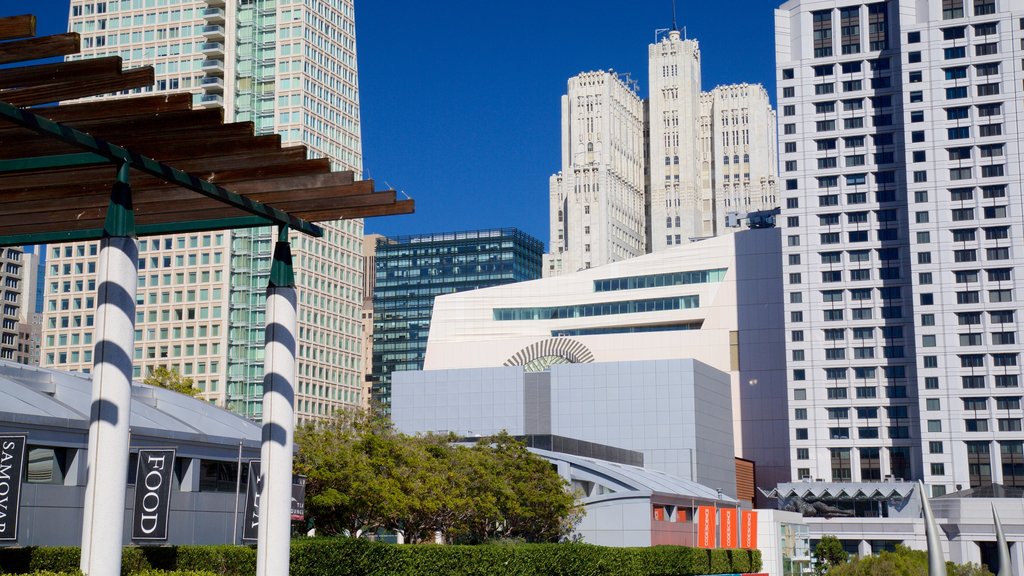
[460, 98]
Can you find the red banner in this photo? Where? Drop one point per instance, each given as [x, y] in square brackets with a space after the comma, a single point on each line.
[705, 526]
[727, 526]
[748, 530]
[659, 513]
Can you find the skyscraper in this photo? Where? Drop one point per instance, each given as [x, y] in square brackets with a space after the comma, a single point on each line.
[674, 111]
[11, 301]
[290, 68]
[597, 200]
[902, 239]
[703, 156]
[412, 270]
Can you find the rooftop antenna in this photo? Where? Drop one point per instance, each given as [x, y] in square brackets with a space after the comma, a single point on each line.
[674, 27]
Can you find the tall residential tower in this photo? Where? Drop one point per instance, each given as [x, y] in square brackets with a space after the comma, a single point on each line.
[903, 240]
[702, 156]
[597, 200]
[288, 66]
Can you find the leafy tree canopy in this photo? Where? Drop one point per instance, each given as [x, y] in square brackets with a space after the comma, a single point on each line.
[163, 377]
[901, 562]
[363, 475]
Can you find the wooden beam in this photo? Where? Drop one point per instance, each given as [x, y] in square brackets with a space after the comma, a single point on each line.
[116, 107]
[270, 163]
[13, 27]
[399, 207]
[172, 143]
[50, 215]
[71, 89]
[51, 73]
[38, 48]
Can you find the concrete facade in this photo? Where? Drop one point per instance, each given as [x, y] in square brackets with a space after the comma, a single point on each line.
[676, 412]
[717, 301]
[902, 239]
[597, 200]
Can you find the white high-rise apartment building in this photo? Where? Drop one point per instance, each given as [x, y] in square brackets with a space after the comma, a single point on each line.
[903, 238]
[11, 302]
[597, 200]
[737, 150]
[674, 109]
[704, 155]
[289, 66]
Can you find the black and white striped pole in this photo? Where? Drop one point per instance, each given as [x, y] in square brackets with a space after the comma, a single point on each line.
[274, 535]
[117, 271]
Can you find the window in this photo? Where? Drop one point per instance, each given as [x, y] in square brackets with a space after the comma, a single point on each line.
[954, 53]
[824, 88]
[958, 133]
[956, 93]
[986, 130]
[986, 49]
[954, 33]
[952, 9]
[959, 153]
[983, 7]
[968, 297]
[787, 74]
[988, 89]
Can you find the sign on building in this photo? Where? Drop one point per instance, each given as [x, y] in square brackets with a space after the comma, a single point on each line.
[12, 468]
[152, 495]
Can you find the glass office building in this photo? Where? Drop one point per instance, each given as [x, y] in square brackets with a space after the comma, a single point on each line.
[412, 270]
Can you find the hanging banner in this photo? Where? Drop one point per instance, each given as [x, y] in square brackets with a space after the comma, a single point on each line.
[706, 526]
[12, 469]
[748, 531]
[152, 495]
[298, 497]
[251, 519]
[727, 519]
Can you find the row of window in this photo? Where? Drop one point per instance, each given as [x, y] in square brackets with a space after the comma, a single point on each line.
[658, 280]
[597, 309]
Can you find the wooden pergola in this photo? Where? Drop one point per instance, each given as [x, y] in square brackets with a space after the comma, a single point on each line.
[113, 170]
[188, 170]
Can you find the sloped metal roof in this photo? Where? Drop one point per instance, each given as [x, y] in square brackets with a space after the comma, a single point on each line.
[634, 478]
[45, 398]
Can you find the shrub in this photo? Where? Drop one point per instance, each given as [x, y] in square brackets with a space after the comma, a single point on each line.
[356, 557]
[226, 560]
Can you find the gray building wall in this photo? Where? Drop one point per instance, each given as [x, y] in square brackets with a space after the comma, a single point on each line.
[678, 413]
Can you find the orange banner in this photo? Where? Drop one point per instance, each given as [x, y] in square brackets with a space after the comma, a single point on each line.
[659, 513]
[748, 525]
[727, 526]
[705, 526]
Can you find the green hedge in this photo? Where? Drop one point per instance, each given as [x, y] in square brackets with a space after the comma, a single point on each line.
[353, 557]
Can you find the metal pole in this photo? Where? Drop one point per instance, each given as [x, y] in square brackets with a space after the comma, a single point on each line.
[1004, 549]
[278, 418]
[238, 490]
[936, 559]
[104, 507]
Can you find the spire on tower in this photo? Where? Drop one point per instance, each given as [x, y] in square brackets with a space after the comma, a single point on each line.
[674, 26]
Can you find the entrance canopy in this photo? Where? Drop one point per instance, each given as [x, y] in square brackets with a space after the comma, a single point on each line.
[188, 170]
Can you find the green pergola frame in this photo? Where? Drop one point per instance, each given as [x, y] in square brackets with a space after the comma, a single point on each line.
[98, 151]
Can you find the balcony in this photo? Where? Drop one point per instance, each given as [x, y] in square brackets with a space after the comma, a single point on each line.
[214, 15]
[213, 66]
[212, 49]
[211, 101]
[213, 32]
[212, 84]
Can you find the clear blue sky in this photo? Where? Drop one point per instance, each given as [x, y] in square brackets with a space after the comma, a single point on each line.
[460, 99]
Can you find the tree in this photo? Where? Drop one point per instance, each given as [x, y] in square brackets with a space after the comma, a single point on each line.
[901, 562]
[363, 475]
[828, 553]
[171, 379]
